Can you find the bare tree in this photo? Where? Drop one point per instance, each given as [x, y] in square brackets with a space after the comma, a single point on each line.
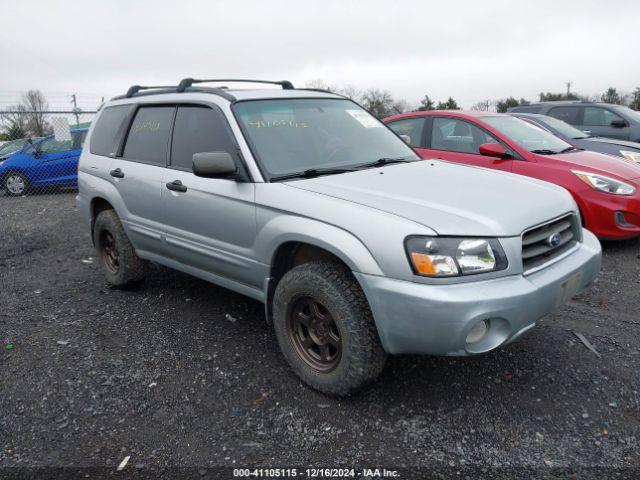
[15, 122]
[36, 105]
[379, 102]
[352, 92]
[320, 84]
[482, 106]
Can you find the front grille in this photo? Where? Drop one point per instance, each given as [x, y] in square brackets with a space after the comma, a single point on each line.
[538, 246]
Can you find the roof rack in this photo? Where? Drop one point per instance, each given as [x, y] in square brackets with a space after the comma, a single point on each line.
[136, 88]
[187, 82]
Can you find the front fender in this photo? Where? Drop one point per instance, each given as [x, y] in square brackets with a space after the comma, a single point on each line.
[278, 229]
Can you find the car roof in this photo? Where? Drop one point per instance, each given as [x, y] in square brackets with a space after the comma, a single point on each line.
[449, 113]
[191, 86]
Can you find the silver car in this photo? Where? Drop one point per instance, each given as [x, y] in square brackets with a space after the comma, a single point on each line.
[304, 201]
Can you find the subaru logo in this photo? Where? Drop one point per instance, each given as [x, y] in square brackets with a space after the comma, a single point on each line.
[554, 240]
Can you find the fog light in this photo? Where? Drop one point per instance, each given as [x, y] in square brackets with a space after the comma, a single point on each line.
[477, 332]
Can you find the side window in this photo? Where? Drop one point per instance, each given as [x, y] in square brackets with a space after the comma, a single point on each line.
[51, 145]
[148, 137]
[105, 138]
[566, 114]
[599, 117]
[453, 135]
[199, 129]
[412, 127]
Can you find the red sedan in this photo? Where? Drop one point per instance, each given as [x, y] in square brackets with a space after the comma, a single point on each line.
[605, 188]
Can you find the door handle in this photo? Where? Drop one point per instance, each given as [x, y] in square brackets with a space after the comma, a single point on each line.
[117, 173]
[176, 186]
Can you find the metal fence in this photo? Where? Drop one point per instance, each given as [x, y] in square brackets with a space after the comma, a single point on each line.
[46, 161]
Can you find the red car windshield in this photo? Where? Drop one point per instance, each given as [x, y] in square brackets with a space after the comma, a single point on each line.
[527, 135]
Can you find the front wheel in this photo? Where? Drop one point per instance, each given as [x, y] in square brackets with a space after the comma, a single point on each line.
[15, 184]
[325, 328]
[119, 261]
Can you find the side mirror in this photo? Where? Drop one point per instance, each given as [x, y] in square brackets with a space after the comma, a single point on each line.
[494, 150]
[213, 164]
[406, 138]
[618, 123]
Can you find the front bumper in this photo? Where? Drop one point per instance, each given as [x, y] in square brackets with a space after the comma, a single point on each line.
[435, 319]
[602, 212]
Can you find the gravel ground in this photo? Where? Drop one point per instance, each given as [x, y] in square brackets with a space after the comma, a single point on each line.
[181, 373]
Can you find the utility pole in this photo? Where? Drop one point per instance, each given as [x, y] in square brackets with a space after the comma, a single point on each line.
[76, 110]
[569, 88]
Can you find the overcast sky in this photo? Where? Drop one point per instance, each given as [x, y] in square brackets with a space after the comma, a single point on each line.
[470, 50]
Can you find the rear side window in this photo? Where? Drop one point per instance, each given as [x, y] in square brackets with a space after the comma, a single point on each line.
[411, 127]
[148, 138]
[566, 114]
[198, 129]
[105, 138]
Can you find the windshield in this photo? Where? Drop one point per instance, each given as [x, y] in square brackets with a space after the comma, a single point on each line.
[293, 135]
[11, 147]
[632, 114]
[562, 127]
[527, 135]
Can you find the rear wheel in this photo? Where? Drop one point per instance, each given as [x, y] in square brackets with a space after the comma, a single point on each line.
[118, 259]
[325, 328]
[15, 184]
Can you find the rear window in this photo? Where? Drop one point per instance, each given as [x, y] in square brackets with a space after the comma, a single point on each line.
[105, 138]
[148, 137]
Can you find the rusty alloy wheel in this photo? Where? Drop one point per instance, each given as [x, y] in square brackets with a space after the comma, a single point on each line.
[314, 334]
[109, 251]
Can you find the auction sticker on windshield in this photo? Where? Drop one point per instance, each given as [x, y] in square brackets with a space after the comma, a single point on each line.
[365, 119]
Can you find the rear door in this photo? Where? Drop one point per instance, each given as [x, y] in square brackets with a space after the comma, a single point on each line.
[211, 223]
[567, 113]
[457, 140]
[137, 175]
[55, 162]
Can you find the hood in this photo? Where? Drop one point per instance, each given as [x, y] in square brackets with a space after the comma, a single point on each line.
[450, 198]
[614, 141]
[600, 163]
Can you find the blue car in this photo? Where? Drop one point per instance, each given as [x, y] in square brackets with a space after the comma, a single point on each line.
[43, 163]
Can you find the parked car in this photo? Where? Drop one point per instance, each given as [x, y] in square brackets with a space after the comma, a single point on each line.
[304, 201]
[597, 119]
[9, 148]
[580, 139]
[605, 188]
[43, 163]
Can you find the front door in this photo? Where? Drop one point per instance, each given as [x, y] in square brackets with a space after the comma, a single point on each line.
[55, 163]
[459, 141]
[598, 121]
[210, 222]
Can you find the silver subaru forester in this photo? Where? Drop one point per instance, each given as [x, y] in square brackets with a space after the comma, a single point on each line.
[304, 201]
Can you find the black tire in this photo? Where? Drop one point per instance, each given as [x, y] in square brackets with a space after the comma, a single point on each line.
[334, 287]
[12, 180]
[108, 232]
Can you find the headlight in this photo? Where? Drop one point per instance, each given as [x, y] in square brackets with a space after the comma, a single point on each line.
[451, 256]
[605, 184]
[633, 156]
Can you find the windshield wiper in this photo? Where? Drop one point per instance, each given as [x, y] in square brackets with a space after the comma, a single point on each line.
[543, 151]
[570, 149]
[311, 173]
[384, 161]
